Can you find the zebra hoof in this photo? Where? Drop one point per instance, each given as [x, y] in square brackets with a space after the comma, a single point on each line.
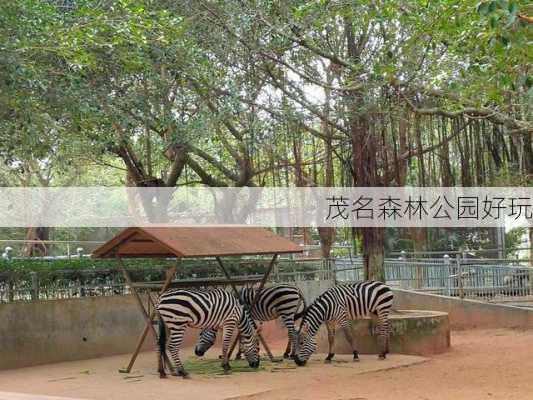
[356, 356]
[382, 357]
[162, 375]
[182, 373]
[227, 369]
[287, 355]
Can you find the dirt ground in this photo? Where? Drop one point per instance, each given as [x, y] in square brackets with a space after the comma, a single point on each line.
[482, 364]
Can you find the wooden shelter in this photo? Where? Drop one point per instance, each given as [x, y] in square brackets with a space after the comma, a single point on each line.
[165, 242]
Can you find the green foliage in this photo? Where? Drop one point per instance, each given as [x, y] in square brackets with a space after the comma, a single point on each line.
[242, 87]
[75, 264]
[187, 268]
[513, 240]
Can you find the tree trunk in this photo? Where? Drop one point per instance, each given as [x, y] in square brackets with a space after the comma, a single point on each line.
[365, 168]
[36, 248]
[156, 193]
[365, 154]
[300, 182]
[531, 247]
[373, 254]
[327, 234]
[327, 238]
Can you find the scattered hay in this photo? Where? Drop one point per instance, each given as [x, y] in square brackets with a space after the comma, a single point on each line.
[213, 367]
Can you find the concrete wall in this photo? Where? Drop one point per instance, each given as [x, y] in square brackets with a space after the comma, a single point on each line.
[72, 329]
[61, 330]
[466, 314]
[412, 332]
[312, 289]
[50, 331]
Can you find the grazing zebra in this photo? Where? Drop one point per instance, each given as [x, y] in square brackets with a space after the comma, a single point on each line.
[179, 309]
[278, 301]
[338, 305]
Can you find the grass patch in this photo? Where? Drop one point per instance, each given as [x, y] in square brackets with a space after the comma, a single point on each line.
[213, 367]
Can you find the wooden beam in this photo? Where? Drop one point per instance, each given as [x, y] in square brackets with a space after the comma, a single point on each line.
[261, 285]
[147, 317]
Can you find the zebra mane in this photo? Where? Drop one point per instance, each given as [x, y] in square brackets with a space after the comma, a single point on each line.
[247, 316]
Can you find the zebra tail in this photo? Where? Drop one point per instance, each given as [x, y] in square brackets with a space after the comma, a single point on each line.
[162, 337]
[300, 314]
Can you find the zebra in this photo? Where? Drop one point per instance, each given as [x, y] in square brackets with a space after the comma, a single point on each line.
[216, 308]
[338, 305]
[278, 301]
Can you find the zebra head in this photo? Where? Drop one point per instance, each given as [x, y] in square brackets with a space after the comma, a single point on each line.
[249, 340]
[305, 345]
[205, 341]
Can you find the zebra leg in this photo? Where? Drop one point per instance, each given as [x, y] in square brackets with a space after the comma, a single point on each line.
[176, 338]
[330, 325]
[288, 349]
[161, 349]
[288, 321]
[238, 356]
[383, 334]
[351, 341]
[229, 328]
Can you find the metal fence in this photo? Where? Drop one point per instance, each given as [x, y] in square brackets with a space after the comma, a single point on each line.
[62, 284]
[47, 248]
[491, 280]
[483, 279]
[26, 285]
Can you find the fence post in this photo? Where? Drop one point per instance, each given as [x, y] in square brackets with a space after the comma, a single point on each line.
[460, 277]
[34, 286]
[445, 274]
[332, 270]
[7, 255]
[10, 287]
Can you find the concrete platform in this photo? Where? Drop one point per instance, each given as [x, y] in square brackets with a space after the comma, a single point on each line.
[99, 378]
[417, 332]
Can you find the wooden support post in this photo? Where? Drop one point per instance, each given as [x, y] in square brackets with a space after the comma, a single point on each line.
[34, 286]
[265, 278]
[261, 285]
[147, 317]
[228, 276]
[256, 297]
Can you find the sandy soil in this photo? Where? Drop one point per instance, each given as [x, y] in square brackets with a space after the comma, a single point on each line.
[490, 364]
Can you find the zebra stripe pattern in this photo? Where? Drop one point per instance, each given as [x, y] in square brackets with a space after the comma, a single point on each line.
[337, 306]
[279, 301]
[212, 309]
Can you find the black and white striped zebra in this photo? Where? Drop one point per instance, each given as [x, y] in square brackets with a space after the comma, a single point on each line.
[279, 301]
[214, 309]
[337, 306]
